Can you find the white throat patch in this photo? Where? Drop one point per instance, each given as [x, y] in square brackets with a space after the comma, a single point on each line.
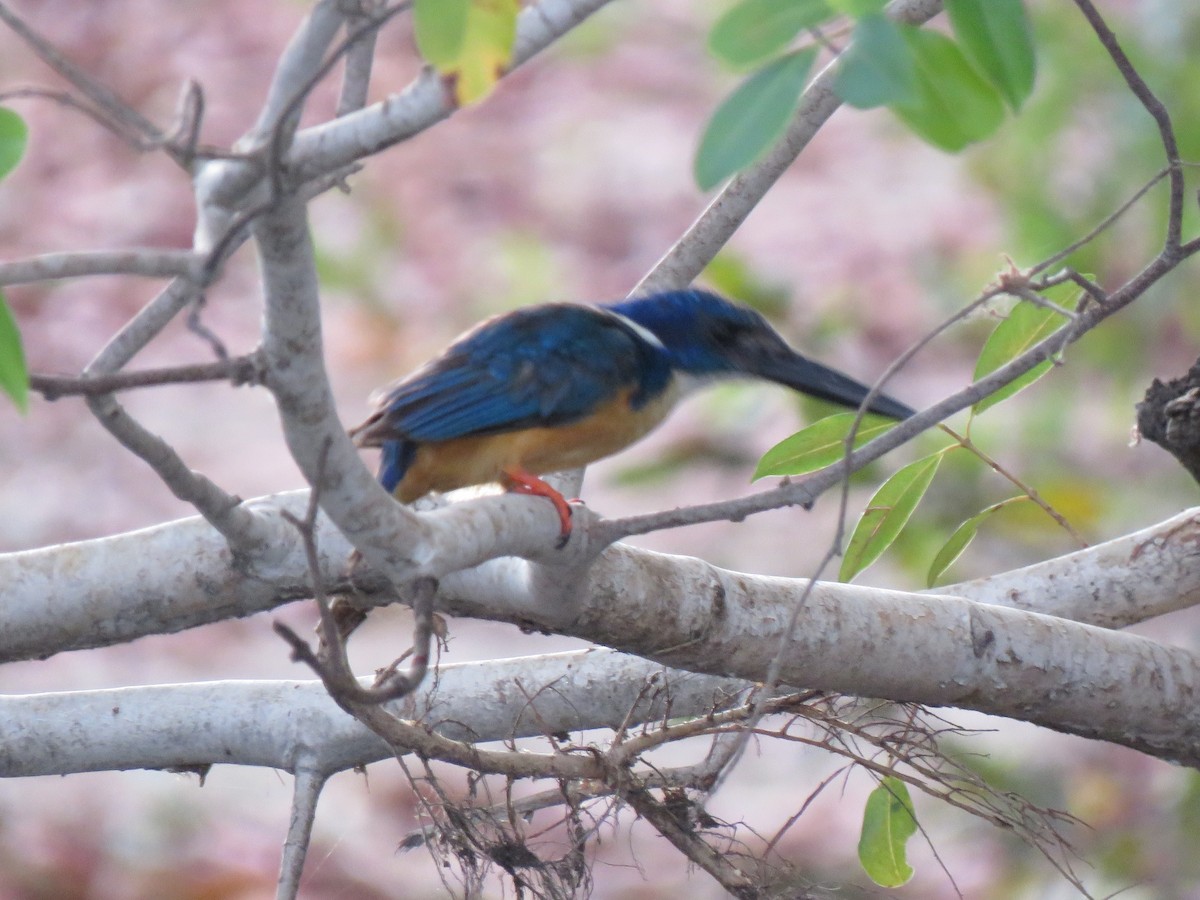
[643, 332]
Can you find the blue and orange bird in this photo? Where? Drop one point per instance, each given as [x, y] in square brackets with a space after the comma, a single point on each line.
[557, 386]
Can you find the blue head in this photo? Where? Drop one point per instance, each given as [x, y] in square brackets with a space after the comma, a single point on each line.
[707, 336]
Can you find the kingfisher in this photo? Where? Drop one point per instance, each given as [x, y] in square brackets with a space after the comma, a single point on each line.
[557, 386]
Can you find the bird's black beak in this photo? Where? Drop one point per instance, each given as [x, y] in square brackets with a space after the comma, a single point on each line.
[785, 366]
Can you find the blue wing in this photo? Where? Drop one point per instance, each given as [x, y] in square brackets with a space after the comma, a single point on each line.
[539, 366]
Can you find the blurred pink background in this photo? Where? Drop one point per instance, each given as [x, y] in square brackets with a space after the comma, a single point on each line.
[567, 184]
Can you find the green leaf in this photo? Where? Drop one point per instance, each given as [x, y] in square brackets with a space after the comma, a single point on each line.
[14, 377]
[470, 42]
[752, 118]
[858, 8]
[14, 135]
[887, 513]
[1028, 324]
[962, 537]
[997, 36]
[955, 106]
[819, 445]
[755, 30]
[888, 822]
[878, 68]
[440, 28]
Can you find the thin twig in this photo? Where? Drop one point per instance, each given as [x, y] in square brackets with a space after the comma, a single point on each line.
[281, 135]
[116, 114]
[146, 262]
[708, 234]
[238, 370]
[356, 77]
[330, 662]
[146, 325]
[197, 327]
[1162, 118]
[1030, 492]
[1103, 226]
[309, 781]
[222, 510]
[184, 136]
[681, 833]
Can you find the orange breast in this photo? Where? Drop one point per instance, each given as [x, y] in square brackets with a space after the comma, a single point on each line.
[446, 465]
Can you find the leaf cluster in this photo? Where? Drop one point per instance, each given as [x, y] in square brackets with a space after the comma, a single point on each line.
[826, 443]
[950, 91]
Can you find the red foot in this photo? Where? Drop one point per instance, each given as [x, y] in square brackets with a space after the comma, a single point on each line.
[521, 482]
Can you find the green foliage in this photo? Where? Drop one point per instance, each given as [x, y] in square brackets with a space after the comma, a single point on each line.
[14, 135]
[858, 8]
[440, 28]
[950, 95]
[1027, 325]
[947, 96]
[753, 31]
[997, 37]
[878, 68]
[14, 377]
[821, 444]
[955, 106]
[890, 510]
[1049, 194]
[752, 118]
[962, 537]
[888, 822]
[470, 42]
[888, 513]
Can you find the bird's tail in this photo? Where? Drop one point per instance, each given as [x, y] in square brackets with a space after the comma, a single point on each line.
[395, 458]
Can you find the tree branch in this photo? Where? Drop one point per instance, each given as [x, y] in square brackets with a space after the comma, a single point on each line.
[687, 614]
[107, 595]
[1162, 119]
[296, 726]
[149, 263]
[330, 146]
[238, 370]
[119, 117]
[725, 215]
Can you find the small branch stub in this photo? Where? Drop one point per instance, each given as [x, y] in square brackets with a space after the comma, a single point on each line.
[1169, 416]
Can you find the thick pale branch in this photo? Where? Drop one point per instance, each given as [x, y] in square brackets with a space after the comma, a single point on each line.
[181, 575]
[296, 376]
[1121, 582]
[295, 725]
[350, 138]
[937, 650]
[302, 57]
